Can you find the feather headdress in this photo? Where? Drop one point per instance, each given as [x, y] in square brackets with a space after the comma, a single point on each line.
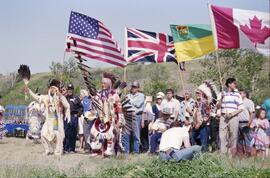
[210, 90]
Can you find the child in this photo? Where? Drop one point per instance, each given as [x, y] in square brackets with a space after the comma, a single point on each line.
[259, 138]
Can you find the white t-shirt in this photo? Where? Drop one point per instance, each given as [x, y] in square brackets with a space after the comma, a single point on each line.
[173, 106]
[173, 138]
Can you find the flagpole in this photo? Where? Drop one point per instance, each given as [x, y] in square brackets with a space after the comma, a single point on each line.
[181, 77]
[125, 74]
[125, 78]
[216, 51]
[63, 61]
[219, 70]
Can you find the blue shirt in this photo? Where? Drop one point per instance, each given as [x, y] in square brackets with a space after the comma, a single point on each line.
[266, 106]
[87, 104]
[137, 101]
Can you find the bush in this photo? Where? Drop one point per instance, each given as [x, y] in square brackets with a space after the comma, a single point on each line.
[207, 165]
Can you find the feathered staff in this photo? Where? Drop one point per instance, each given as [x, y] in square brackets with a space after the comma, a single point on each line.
[25, 74]
[87, 77]
[117, 85]
[128, 111]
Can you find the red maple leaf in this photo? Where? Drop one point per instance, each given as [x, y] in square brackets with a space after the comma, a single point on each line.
[255, 32]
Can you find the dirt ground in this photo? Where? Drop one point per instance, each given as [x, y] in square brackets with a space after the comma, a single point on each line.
[20, 153]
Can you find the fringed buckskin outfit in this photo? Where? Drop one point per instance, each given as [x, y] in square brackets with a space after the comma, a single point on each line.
[56, 110]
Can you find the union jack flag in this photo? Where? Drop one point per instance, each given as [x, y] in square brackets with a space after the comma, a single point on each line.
[144, 46]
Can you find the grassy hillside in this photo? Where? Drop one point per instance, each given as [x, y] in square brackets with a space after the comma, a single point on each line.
[140, 72]
[167, 73]
[16, 94]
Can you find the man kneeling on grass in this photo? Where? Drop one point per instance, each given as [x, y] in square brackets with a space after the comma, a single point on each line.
[171, 142]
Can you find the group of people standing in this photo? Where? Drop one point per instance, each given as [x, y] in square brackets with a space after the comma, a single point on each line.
[176, 127]
[224, 121]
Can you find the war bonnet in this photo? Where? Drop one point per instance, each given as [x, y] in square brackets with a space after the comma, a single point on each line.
[210, 90]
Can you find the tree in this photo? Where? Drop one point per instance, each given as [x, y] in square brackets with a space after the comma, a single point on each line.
[8, 81]
[66, 71]
[158, 80]
[244, 65]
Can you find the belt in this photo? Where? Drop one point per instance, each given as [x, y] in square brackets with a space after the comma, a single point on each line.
[243, 122]
[169, 152]
[74, 115]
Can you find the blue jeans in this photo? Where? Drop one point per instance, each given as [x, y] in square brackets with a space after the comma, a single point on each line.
[136, 136]
[70, 134]
[183, 154]
[87, 129]
[154, 140]
[203, 133]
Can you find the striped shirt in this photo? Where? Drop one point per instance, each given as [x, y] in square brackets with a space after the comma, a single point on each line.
[161, 124]
[173, 106]
[231, 102]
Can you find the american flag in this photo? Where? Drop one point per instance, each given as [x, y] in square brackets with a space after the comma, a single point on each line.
[144, 46]
[91, 39]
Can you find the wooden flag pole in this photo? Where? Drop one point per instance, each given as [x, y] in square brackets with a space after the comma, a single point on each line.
[125, 74]
[125, 78]
[219, 70]
[63, 61]
[181, 77]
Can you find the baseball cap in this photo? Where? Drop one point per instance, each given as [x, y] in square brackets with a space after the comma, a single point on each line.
[70, 86]
[135, 84]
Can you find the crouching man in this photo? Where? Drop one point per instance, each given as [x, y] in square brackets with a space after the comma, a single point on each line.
[171, 144]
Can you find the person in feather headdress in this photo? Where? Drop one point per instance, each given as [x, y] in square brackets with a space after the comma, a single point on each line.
[105, 131]
[56, 111]
[206, 94]
[201, 121]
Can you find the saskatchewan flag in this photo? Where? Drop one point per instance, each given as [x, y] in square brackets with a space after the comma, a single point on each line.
[192, 41]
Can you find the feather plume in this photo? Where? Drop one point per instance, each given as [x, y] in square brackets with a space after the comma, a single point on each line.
[24, 73]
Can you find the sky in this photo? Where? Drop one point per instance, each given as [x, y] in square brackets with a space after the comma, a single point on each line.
[33, 32]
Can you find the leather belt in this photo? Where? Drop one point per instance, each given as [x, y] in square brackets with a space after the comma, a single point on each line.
[169, 152]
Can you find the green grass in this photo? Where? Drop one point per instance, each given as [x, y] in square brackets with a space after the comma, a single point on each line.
[206, 165]
[29, 172]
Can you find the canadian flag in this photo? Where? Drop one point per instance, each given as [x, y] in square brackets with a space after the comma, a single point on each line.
[237, 28]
